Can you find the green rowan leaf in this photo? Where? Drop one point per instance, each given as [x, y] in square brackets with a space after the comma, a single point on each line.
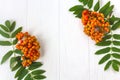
[115, 55]
[116, 36]
[19, 71]
[108, 11]
[5, 43]
[16, 32]
[116, 61]
[15, 41]
[4, 34]
[12, 27]
[80, 0]
[97, 6]
[35, 65]
[28, 77]
[115, 66]
[39, 77]
[7, 23]
[105, 7]
[85, 2]
[106, 37]
[18, 51]
[107, 65]
[116, 43]
[90, 3]
[116, 25]
[38, 72]
[4, 28]
[18, 65]
[113, 19]
[104, 43]
[22, 75]
[114, 49]
[75, 8]
[103, 51]
[104, 59]
[6, 56]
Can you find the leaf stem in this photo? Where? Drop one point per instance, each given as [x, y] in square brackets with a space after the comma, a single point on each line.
[111, 41]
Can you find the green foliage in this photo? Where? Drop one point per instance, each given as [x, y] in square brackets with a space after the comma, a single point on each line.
[6, 56]
[90, 3]
[108, 65]
[4, 34]
[97, 6]
[4, 28]
[5, 43]
[16, 32]
[110, 50]
[77, 10]
[109, 11]
[103, 51]
[30, 72]
[116, 36]
[115, 66]
[116, 25]
[104, 59]
[105, 7]
[110, 42]
[104, 43]
[35, 65]
[27, 73]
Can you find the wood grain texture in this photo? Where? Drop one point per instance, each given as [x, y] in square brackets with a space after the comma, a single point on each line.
[66, 52]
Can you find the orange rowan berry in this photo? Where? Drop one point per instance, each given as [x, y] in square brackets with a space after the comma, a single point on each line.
[29, 46]
[95, 25]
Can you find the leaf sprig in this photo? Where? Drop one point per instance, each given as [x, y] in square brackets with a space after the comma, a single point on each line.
[111, 41]
[22, 73]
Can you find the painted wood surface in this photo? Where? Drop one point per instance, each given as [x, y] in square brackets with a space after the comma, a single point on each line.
[67, 53]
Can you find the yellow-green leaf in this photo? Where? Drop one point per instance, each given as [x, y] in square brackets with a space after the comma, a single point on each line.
[6, 56]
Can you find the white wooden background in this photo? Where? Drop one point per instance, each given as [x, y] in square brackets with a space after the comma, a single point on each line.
[67, 53]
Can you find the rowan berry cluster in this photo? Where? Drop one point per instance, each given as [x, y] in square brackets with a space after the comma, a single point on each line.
[95, 25]
[29, 46]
